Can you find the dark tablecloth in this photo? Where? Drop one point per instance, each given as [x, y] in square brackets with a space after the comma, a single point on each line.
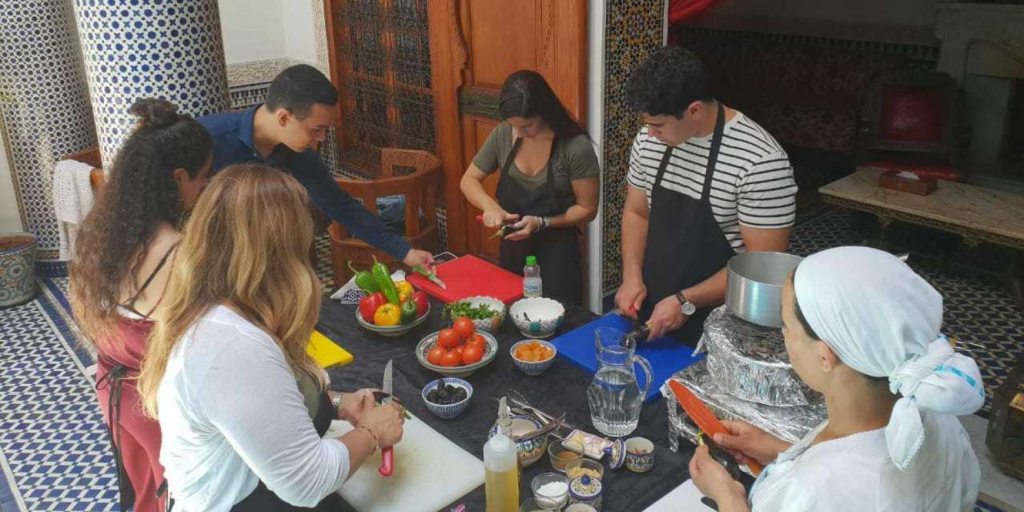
[561, 388]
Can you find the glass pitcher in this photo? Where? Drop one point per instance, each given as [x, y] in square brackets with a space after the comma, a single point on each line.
[615, 396]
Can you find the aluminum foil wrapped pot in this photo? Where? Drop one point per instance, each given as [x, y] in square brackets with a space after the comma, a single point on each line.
[755, 281]
[787, 423]
[750, 362]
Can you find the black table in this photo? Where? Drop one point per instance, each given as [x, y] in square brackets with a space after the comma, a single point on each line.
[561, 388]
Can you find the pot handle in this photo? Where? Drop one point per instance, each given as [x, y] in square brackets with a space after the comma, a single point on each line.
[648, 371]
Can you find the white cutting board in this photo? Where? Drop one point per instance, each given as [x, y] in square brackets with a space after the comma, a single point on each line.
[430, 473]
[685, 497]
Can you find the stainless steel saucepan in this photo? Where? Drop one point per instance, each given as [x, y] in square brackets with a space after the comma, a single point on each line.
[755, 286]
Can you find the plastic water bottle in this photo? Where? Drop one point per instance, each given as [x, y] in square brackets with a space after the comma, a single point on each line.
[532, 286]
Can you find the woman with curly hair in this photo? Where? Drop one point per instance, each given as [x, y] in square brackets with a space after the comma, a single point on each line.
[120, 270]
[227, 370]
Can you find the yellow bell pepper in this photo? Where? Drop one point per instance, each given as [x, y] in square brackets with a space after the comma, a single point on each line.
[404, 288]
[387, 315]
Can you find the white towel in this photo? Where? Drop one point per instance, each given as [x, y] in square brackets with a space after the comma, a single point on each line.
[72, 200]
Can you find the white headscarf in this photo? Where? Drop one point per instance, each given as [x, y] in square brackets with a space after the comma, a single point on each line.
[883, 320]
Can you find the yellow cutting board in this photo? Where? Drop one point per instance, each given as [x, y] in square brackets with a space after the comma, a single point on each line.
[326, 352]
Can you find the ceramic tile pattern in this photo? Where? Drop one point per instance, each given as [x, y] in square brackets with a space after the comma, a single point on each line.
[133, 49]
[44, 106]
[633, 30]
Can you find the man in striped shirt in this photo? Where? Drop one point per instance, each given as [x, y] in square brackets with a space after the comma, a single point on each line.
[678, 227]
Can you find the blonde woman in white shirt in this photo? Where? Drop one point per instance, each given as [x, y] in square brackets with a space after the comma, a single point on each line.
[863, 329]
[227, 373]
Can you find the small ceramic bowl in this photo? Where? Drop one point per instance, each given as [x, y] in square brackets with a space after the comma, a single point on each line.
[531, 367]
[492, 324]
[596, 468]
[639, 454]
[529, 450]
[551, 501]
[448, 411]
[562, 457]
[537, 317]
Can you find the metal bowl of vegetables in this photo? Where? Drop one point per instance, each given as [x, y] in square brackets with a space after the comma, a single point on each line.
[487, 313]
[393, 330]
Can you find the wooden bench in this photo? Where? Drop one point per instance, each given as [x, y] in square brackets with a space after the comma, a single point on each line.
[975, 213]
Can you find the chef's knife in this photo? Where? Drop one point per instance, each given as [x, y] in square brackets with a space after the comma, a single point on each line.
[431, 276]
[387, 462]
[702, 416]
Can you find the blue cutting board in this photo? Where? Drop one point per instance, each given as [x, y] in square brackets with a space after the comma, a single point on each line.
[666, 355]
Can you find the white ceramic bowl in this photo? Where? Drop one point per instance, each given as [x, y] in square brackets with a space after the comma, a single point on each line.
[533, 367]
[430, 340]
[395, 330]
[492, 324]
[537, 317]
[448, 411]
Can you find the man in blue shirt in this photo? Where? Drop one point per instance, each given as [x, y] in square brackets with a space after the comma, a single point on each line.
[284, 132]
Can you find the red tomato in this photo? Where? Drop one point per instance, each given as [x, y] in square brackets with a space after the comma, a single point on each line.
[435, 355]
[448, 338]
[451, 358]
[464, 326]
[420, 298]
[472, 354]
[459, 349]
[476, 340]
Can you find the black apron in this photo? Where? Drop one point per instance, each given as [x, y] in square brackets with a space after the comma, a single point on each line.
[685, 244]
[264, 500]
[557, 249]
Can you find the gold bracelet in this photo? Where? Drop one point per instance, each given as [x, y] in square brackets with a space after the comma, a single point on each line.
[376, 443]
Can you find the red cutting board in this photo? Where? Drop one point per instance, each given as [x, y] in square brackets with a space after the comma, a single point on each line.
[467, 276]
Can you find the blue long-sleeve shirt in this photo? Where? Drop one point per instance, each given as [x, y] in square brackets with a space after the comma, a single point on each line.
[233, 144]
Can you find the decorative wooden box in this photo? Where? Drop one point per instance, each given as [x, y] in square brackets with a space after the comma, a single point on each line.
[922, 186]
[1006, 423]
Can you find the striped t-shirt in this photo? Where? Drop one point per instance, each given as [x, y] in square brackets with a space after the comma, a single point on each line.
[753, 180]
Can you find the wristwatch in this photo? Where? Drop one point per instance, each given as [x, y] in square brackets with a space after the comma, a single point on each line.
[688, 308]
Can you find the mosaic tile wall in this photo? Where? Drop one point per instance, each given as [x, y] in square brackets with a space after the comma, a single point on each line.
[170, 49]
[43, 120]
[633, 29]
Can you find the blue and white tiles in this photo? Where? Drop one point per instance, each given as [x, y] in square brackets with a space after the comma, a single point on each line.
[170, 49]
[44, 106]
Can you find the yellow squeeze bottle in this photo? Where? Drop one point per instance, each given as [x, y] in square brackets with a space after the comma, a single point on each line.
[501, 482]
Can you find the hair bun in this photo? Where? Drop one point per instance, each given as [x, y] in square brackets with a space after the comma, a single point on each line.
[155, 113]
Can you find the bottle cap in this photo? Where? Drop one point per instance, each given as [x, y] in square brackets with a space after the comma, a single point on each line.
[531, 260]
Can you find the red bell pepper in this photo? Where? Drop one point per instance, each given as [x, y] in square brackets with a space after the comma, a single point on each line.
[420, 298]
[368, 306]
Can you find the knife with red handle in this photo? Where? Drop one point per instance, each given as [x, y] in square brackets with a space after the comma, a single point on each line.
[387, 461]
[703, 417]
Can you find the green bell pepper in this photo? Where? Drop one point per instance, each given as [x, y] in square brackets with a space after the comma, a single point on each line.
[364, 280]
[384, 282]
[408, 311]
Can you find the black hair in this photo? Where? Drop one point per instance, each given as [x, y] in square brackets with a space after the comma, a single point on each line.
[668, 82]
[297, 88]
[526, 94]
[139, 192]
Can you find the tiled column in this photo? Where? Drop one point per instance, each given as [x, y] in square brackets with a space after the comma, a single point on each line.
[43, 104]
[169, 49]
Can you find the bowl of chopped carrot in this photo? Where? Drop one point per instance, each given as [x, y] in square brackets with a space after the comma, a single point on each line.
[532, 357]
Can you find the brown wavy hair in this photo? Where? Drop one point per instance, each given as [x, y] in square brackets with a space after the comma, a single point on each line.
[246, 246]
[139, 192]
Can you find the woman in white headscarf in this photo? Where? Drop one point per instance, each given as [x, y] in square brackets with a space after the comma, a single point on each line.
[863, 329]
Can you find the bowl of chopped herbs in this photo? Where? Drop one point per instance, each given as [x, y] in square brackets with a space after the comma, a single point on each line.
[487, 313]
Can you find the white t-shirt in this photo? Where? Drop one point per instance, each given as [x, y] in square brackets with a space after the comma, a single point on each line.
[753, 182]
[232, 414]
[855, 474]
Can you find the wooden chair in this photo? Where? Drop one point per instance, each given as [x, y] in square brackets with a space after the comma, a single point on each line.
[415, 174]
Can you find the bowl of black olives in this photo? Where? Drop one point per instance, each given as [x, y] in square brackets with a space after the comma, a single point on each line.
[447, 397]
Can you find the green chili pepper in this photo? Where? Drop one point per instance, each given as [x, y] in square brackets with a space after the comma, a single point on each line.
[408, 311]
[364, 280]
[384, 282]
